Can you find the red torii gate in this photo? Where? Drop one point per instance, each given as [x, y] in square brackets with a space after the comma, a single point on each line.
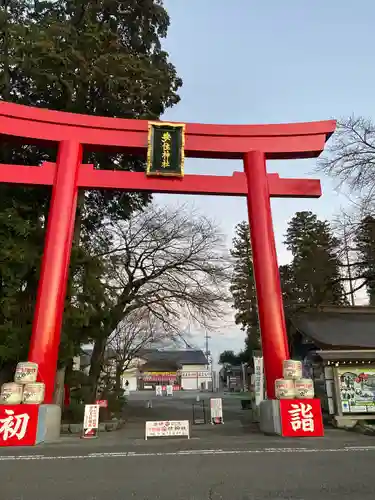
[253, 144]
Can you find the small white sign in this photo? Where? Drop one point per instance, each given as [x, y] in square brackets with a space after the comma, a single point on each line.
[158, 390]
[168, 428]
[169, 390]
[259, 380]
[91, 421]
[216, 407]
[206, 375]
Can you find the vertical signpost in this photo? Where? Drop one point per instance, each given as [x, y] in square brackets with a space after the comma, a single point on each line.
[259, 380]
[216, 407]
[91, 422]
[258, 386]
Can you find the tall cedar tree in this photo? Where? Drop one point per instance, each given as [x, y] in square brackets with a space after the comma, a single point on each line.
[365, 248]
[243, 288]
[101, 58]
[313, 277]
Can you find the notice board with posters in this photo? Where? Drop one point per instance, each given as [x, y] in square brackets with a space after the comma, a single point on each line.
[356, 389]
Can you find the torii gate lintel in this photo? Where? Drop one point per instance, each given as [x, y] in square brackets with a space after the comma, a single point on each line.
[218, 185]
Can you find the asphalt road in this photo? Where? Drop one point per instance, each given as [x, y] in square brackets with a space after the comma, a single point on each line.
[318, 469]
[230, 462]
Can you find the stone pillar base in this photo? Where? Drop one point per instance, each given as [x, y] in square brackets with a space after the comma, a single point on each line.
[49, 424]
[269, 417]
[345, 422]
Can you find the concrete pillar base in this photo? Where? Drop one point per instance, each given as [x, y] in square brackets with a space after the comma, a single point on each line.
[345, 422]
[269, 417]
[49, 424]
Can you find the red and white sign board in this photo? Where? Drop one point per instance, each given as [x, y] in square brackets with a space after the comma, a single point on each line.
[91, 421]
[216, 407]
[301, 418]
[102, 403]
[174, 387]
[167, 428]
[18, 425]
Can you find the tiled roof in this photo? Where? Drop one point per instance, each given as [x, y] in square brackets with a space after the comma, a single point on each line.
[346, 328]
[182, 357]
[178, 357]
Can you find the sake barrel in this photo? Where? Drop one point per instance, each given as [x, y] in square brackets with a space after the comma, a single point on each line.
[292, 369]
[11, 393]
[33, 393]
[26, 373]
[304, 388]
[284, 388]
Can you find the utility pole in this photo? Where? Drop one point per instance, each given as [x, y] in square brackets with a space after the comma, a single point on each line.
[346, 251]
[207, 338]
[209, 358]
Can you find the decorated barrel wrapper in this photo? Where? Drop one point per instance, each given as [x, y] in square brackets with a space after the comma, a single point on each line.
[284, 388]
[11, 393]
[33, 393]
[292, 369]
[304, 388]
[26, 373]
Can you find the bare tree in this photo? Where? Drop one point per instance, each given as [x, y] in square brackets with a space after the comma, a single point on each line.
[350, 158]
[345, 225]
[171, 263]
[139, 330]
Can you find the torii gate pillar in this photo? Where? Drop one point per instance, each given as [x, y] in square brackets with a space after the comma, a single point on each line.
[266, 270]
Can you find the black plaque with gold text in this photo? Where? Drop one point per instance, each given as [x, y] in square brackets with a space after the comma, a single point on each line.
[165, 154]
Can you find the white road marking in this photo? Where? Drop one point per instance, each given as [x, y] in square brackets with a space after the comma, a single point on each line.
[348, 449]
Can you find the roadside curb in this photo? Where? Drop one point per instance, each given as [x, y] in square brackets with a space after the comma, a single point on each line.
[110, 426]
[360, 428]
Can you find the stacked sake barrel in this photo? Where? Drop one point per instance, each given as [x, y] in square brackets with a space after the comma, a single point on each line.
[293, 385]
[25, 389]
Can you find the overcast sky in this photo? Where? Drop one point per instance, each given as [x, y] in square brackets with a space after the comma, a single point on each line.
[268, 61]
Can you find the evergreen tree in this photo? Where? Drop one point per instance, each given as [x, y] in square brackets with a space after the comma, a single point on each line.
[365, 247]
[313, 278]
[229, 358]
[101, 58]
[287, 284]
[243, 288]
